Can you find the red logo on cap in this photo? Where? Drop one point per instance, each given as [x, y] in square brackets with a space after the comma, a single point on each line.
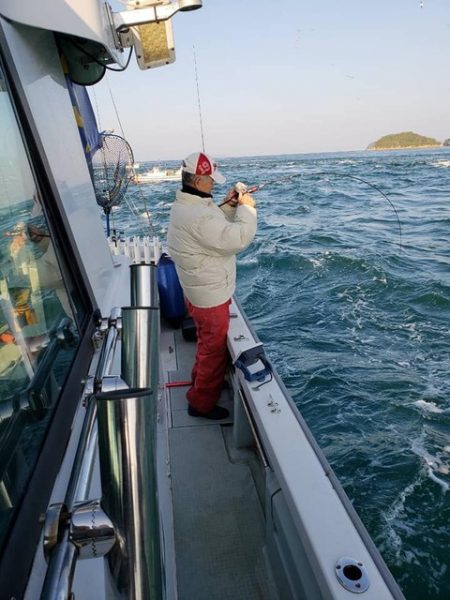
[204, 166]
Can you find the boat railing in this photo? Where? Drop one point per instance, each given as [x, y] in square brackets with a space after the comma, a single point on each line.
[120, 420]
[303, 496]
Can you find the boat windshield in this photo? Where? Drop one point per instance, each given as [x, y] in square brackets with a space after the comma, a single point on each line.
[38, 334]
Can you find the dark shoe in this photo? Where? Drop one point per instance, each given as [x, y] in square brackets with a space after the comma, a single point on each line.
[216, 414]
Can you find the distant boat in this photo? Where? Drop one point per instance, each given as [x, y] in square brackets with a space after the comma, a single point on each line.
[156, 174]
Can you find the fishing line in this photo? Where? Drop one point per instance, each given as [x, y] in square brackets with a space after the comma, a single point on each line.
[131, 204]
[385, 196]
[256, 188]
[198, 100]
[115, 107]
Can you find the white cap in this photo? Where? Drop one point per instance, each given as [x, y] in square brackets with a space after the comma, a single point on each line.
[201, 164]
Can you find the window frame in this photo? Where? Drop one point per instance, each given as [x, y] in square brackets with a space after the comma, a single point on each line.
[25, 529]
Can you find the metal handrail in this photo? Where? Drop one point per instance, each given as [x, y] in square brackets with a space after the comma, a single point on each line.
[62, 562]
[121, 412]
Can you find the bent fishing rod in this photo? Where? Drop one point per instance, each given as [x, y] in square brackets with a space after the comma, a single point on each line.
[242, 188]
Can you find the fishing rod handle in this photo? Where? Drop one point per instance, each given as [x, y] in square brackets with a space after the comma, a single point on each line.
[240, 188]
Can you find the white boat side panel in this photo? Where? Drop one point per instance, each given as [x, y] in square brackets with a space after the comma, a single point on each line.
[322, 522]
[37, 62]
[83, 18]
[119, 287]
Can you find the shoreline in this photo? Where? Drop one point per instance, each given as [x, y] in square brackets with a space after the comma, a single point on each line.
[408, 147]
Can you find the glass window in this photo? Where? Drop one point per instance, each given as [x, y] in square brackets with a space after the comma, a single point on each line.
[38, 334]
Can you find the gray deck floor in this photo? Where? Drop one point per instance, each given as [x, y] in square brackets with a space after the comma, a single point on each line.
[219, 527]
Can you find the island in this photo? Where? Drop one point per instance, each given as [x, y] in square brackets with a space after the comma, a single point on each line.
[404, 140]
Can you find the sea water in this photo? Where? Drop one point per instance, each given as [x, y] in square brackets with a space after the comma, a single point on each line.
[355, 315]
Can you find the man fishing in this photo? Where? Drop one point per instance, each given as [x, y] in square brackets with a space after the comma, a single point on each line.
[203, 242]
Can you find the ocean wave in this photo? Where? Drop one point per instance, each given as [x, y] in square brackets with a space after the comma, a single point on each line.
[359, 331]
[441, 164]
[283, 221]
[431, 300]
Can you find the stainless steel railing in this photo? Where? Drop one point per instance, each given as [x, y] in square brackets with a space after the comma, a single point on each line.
[62, 554]
[125, 522]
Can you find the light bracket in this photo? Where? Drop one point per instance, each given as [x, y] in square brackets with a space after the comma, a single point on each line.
[152, 14]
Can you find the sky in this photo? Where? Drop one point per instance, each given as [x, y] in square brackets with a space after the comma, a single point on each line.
[287, 77]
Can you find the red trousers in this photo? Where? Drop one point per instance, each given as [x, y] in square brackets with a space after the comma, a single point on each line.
[211, 359]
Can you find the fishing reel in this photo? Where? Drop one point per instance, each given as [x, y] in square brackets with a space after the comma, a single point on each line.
[240, 188]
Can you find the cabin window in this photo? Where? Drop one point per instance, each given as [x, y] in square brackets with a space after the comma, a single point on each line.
[38, 332]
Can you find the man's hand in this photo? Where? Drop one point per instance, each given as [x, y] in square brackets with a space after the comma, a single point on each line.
[246, 199]
[235, 197]
[231, 198]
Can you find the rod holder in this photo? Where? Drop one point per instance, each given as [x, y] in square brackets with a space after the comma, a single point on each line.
[144, 285]
[140, 342]
[129, 498]
[127, 445]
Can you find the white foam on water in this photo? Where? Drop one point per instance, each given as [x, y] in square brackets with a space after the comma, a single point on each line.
[441, 164]
[367, 340]
[316, 262]
[382, 279]
[432, 464]
[394, 512]
[397, 508]
[430, 407]
[248, 260]
[444, 485]
[414, 335]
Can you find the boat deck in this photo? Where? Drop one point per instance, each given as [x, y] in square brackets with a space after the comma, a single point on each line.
[218, 517]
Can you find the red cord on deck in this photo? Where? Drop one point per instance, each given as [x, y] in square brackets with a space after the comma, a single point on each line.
[172, 384]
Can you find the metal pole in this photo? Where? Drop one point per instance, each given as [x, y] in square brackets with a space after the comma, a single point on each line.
[133, 566]
[144, 285]
[127, 432]
[140, 343]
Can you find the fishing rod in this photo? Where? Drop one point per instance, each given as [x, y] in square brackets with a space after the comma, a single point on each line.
[242, 188]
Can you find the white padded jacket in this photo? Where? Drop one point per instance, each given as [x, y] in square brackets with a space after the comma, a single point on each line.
[203, 242]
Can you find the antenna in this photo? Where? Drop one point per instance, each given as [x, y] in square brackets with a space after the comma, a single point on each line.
[198, 100]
